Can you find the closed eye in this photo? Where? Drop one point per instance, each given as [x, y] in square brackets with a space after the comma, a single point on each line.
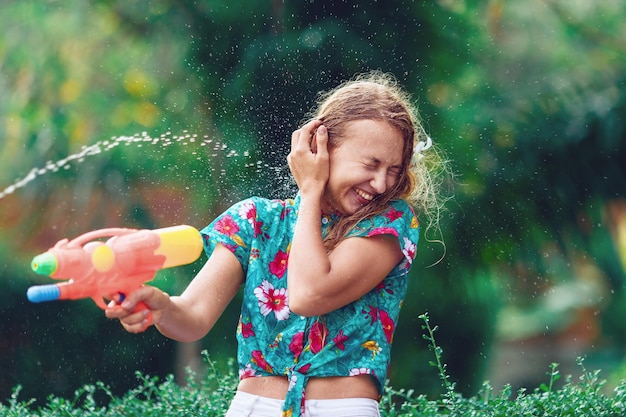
[374, 164]
[371, 164]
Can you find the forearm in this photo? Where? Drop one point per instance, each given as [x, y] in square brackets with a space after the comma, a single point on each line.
[193, 314]
[180, 322]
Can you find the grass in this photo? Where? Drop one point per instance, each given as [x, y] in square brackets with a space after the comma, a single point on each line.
[210, 396]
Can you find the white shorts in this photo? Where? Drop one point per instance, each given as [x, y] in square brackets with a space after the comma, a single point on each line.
[248, 405]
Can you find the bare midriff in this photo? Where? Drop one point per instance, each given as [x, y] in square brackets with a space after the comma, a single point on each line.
[360, 386]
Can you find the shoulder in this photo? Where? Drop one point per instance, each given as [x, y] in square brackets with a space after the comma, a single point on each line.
[257, 204]
[254, 215]
[269, 204]
[400, 209]
[397, 219]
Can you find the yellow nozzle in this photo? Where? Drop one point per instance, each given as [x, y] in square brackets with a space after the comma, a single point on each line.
[180, 244]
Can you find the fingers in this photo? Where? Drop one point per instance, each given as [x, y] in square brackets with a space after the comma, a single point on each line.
[133, 321]
[130, 301]
[135, 313]
[308, 160]
[321, 141]
[304, 138]
[137, 322]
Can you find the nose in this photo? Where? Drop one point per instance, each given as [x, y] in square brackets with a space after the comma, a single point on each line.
[379, 182]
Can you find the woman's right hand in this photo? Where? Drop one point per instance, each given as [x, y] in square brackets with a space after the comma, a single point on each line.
[308, 159]
[191, 315]
[153, 301]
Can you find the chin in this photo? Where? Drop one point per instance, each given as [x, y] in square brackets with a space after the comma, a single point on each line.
[347, 208]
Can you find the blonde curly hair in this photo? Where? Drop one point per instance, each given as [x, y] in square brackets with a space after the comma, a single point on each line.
[377, 96]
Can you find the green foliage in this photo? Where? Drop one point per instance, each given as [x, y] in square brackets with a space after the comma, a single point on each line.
[582, 398]
[75, 77]
[211, 394]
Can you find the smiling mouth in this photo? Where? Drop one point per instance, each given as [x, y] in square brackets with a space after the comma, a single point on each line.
[364, 195]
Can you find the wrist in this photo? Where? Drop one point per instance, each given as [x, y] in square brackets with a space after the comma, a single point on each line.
[311, 199]
[163, 309]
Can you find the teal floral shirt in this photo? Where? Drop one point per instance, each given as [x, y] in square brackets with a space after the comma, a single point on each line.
[353, 340]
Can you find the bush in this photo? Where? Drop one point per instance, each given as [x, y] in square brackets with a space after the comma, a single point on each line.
[211, 395]
[206, 396]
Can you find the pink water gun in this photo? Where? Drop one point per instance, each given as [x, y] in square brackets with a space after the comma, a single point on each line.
[113, 269]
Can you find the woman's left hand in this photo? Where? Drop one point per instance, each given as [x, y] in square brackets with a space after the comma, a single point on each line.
[308, 159]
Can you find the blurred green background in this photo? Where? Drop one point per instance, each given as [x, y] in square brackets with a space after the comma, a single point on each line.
[155, 113]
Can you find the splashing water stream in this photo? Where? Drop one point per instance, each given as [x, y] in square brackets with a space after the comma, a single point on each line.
[164, 140]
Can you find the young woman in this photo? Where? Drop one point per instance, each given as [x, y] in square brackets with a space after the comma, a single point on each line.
[324, 274]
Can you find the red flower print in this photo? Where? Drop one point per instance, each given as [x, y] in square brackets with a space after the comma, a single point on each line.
[285, 209]
[383, 231]
[304, 369]
[279, 265]
[259, 360]
[247, 372]
[388, 325]
[272, 300]
[383, 287]
[247, 211]
[409, 249]
[339, 339]
[231, 247]
[317, 336]
[227, 226]
[258, 229]
[393, 214]
[246, 330]
[373, 313]
[297, 344]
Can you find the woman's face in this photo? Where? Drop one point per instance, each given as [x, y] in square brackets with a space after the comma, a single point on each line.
[366, 162]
